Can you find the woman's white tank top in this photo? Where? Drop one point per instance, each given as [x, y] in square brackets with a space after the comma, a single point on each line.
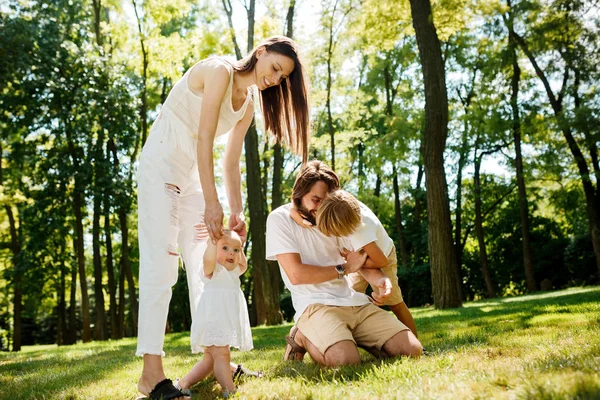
[180, 114]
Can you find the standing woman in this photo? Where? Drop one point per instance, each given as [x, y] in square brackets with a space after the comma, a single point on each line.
[176, 180]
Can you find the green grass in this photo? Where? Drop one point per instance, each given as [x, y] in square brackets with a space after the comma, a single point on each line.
[541, 346]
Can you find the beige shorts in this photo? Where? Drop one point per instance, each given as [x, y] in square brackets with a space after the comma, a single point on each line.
[367, 326]
[358, 283]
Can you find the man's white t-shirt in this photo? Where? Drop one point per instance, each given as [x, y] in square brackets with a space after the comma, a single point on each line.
[371, 230]
[284, 235]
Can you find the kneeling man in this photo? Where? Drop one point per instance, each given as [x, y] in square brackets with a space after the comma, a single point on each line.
[331, 318]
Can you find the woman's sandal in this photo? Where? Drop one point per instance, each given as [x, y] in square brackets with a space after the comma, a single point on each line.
[242, 371]
[165, 390]
[293, 352]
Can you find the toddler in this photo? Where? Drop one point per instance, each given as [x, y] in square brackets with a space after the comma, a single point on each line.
[221, 318]
[341, 214]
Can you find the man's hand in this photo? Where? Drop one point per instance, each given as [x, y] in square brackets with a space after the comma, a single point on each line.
[213, 218]
[382, 292]
[354, 261]
[237, 223]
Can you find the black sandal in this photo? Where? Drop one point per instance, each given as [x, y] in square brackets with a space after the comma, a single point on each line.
[242, 371]
[164, 390]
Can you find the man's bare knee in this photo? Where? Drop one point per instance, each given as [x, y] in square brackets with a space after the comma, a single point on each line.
[403, 343]
[342, 353]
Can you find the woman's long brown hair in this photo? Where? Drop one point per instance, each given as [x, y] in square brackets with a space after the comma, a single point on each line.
[285, 106]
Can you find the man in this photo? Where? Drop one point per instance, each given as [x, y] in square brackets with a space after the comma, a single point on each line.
[331, 318]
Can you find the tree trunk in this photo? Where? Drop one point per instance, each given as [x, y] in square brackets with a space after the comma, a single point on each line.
[133, 305]
[78, 190]
[72, 332]
[110, 269]
[516, 130]
[15, 247]
[445, 282]
[61, 326]
[100, 328]
[491, 290]
[121, 303]
[458, 247]
[377, 190]
[418, 249]
[399, 224]
[86, 334]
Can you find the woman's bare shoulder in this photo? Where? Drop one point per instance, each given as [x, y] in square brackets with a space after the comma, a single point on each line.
[212, 70]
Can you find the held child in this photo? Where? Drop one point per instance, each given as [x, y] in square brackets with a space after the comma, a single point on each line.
[221, 318]
[341, 214]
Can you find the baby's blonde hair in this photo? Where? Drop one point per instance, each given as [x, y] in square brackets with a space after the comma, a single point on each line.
[231, 234]
[339, 214]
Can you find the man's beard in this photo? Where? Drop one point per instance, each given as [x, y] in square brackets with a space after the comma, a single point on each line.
[307, 215]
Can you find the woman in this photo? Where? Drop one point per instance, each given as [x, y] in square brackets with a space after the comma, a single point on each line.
[176, 181]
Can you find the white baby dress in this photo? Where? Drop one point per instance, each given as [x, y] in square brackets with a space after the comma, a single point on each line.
[221, 318]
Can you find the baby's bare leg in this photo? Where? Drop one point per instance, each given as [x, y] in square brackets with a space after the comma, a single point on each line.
[221, 367]
[199, 371]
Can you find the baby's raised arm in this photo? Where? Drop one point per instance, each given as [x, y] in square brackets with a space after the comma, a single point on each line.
[210, 259]
[243, 263]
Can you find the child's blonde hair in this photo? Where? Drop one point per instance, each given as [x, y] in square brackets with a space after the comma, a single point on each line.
[339, 214]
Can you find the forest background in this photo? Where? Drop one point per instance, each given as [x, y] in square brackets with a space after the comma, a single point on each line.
[476, 144]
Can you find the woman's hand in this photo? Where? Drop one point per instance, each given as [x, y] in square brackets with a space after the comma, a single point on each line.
[213, 218]
[237, 223]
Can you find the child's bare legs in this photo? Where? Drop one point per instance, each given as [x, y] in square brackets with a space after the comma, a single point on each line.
[199, 371]
[403, 314]
[221, 366]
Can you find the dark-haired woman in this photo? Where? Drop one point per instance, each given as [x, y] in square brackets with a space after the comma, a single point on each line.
[177, 194]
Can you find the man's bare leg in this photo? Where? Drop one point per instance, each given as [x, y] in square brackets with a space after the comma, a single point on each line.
[152, 373]
[341, 353]
[403, 343]
[403, 314]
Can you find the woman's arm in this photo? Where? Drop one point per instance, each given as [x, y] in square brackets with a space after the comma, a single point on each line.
[231, 169]
[216, 80]
[209, 261]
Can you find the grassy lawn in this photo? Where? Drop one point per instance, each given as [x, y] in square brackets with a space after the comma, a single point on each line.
[541, 346]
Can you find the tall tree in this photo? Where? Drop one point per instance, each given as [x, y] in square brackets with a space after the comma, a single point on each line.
[516, 130]
[445, 282]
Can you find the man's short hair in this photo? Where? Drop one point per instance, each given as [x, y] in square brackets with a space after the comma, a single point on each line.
[339, 214]
[313, 172]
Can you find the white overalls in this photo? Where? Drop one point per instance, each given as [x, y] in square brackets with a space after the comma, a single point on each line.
[170, 204]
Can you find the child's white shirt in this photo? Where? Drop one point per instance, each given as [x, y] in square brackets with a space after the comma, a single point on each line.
[371, 230]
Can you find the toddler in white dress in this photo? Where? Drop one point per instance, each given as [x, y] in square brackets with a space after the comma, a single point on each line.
[221, 318]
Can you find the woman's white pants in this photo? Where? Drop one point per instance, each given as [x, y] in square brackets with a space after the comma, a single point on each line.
[170, 205]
